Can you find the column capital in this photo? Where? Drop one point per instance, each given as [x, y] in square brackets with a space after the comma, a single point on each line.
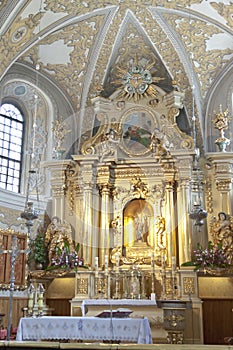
[224, 185]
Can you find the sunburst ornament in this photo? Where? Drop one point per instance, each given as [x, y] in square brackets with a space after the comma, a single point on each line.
[137, 81]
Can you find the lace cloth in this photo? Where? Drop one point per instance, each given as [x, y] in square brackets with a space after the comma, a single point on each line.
[136, 330]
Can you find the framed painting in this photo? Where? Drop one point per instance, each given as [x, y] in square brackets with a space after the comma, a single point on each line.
[137, 128]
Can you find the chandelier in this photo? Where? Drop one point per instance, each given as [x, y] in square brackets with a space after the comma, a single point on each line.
[197, 213]
[29, 213]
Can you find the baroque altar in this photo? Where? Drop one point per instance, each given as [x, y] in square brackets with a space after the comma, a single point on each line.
[127, 195]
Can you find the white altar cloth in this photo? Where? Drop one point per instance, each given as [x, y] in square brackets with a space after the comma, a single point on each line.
[108, 303]
[136, 330]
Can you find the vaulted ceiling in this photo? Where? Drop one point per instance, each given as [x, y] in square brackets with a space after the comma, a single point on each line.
[79, 46]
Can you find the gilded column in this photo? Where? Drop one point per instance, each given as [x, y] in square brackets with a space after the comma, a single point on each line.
[184, 204]
[90, 238]
[170, 222]
[184, 235]
[170, 209]
[87, 223]
[104, 222]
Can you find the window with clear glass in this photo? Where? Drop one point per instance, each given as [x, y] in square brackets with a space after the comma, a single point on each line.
[11, 143]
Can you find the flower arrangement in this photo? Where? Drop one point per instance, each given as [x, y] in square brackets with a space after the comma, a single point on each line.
[67, 260]
[211, 257]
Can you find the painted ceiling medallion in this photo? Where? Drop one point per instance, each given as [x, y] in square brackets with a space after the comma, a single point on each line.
[19, 34]
[137, 81]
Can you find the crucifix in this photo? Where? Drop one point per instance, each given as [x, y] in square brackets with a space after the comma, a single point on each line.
[14, 252]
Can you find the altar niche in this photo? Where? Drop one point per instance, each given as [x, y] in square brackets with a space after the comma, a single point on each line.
[138, 237]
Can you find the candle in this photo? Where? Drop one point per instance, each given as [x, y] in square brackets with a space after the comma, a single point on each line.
[174, 263]
[106, 262]
[164, 261]
[30, 301]
[40, 300]
[152, 260]
[96, 266]
[152, 296]
[117, 262]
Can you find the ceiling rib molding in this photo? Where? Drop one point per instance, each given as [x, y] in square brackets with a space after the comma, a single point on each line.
[181, 52]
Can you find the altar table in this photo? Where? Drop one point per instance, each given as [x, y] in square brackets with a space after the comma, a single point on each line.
[114, 303]
[136, 330]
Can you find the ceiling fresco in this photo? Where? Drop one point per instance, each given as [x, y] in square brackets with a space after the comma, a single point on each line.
[80, 46]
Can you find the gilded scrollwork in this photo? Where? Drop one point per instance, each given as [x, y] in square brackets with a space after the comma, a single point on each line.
[10, 47]
[188, 285]
[88, 147]
[225, 10]
[82, 286]
[224, 185]
[139, 188]
[189, 31]
[80, 38]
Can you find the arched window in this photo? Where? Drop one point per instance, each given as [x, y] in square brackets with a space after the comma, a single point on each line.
[11, 142]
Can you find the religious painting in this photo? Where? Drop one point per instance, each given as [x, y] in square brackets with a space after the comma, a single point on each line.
[137, 130]
[8, 248]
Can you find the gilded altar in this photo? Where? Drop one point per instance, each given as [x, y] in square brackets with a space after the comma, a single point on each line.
[127, 195]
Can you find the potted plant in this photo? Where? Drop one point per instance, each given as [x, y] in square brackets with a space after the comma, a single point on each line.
[40, 251]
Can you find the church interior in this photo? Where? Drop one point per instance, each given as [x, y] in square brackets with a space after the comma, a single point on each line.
[116, 161]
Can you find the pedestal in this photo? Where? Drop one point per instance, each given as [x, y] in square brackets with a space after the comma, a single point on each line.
[174, 319]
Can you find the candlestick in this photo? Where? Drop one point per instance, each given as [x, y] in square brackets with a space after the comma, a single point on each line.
[152, 296]
[173, 263]
[30, 301]
[31, 293]
[152, 260]
[164, 261]
[40, 300]
[117, 262]
[106, 262]
[96, 266]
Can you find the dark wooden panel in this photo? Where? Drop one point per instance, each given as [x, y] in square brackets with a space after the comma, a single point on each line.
[6, 239]
[17, 310]
[217, 320]
[61, 307]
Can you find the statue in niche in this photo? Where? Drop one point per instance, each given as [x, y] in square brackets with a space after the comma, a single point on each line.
[57, 235]
[141, 227]
[138, 235]
[222, 233]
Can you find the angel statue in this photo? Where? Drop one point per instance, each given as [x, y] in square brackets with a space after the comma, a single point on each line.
[56, 237]
[109, 144]
[222, 233]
